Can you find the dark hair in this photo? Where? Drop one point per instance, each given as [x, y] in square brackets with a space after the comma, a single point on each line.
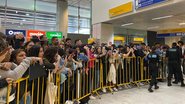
[96, 49]
[143, 44]
[114, 46]
[67, 39]
[14, 54]
[76, 40]
[41, 37]
[174, 44]
[54, 38]
[34, 51]
[26, 44]
[50, 53]
[124, 50]
[153, 48]
[61, 52]
[181, 42]
[71, 50]
[35, 39]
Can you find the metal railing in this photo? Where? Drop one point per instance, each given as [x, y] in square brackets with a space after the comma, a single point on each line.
[85, 81]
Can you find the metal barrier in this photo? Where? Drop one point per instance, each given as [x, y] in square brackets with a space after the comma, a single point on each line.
[87, 80]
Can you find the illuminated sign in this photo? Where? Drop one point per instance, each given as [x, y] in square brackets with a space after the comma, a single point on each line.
[38, 33]
[139, 39]
[14, 32]
[125, 8]
[145, 3]
[51, 34]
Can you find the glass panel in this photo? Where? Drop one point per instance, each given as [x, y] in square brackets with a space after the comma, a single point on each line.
[2, 13]
[45, 19]
[46, 6]
[72, 30]
[45, 28]
[84, 22]
[19, 18]
[84, 31]
[73, 21]
[22, 4]
[2, 2]
[73, 11]
[85, 13]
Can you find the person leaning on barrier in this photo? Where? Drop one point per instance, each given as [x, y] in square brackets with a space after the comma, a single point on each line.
[153, 59]
[11, 72]
[174, 64]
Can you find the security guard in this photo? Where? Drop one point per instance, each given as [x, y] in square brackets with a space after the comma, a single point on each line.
[153, 59]
[174, 64]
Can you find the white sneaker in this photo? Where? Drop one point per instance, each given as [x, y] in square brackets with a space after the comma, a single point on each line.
[141, 84]
[120, 88]
[115, 89]
[128, 86]
[104, 90]
[92, 97]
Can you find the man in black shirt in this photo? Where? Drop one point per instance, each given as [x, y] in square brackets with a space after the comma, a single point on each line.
[174, 64]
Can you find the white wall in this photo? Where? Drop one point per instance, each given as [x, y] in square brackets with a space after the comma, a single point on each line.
[107, 34]
[103, 32]
[100, 10]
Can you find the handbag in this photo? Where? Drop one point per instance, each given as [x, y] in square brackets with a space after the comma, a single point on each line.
[51, 90]
[3, 95]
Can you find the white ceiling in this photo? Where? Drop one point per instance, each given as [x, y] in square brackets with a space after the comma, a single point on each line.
[143, 20]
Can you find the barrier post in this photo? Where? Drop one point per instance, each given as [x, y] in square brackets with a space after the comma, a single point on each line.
[8, 93]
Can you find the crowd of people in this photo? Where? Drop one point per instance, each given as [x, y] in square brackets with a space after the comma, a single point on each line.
[61, 56]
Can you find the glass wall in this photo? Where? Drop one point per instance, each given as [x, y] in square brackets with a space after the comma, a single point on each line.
[79, 20]
[41, 15]
[28, 14]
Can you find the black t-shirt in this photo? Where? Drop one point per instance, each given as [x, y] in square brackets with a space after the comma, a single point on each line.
[174, 54]
[153, 58]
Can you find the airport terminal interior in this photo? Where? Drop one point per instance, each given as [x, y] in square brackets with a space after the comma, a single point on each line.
[92, 51]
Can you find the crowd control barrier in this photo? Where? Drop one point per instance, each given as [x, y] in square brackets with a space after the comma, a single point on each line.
[89, 79]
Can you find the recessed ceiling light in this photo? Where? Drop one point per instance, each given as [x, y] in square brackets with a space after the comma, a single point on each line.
[183, 23]
[23, 20]
[16, 11]
[27, 14]
[163, 17]
[127, 24]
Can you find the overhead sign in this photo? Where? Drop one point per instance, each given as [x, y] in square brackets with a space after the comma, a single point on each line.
[15, 32]
[170, 34]
[138, 39]
[119, 38]
[51, 34]
[178, 30]
[125, 8]
[145, 3]
[38, 33]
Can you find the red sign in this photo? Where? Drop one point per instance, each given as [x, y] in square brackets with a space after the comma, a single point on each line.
[37, 33]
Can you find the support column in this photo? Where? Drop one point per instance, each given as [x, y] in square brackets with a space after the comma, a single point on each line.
[103, 32]
[62, 16]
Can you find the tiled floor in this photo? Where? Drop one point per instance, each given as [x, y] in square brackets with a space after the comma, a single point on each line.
[165, 95]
